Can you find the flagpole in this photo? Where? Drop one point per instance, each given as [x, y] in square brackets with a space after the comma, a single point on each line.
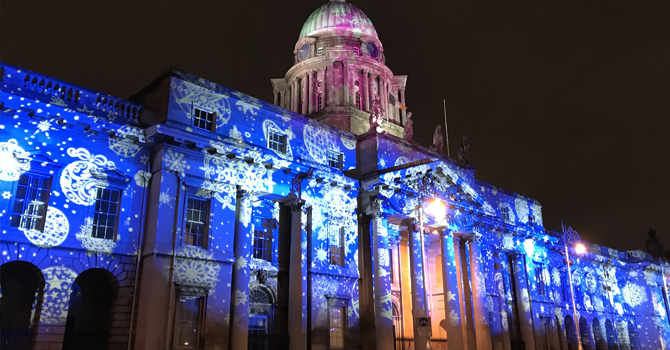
[446, 128]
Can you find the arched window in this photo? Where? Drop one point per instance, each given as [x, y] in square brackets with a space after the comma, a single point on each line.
[319, 101]
[358, 101]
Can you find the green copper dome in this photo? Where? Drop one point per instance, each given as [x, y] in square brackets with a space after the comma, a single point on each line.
[338, 15]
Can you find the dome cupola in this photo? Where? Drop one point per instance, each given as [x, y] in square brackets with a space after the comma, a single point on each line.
[341, 17]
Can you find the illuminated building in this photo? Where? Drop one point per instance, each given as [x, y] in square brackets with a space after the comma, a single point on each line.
[260, 226]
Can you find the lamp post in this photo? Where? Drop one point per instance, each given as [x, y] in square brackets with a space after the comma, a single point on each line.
[573, 237]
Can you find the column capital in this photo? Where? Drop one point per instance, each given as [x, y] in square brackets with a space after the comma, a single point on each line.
[295, 204]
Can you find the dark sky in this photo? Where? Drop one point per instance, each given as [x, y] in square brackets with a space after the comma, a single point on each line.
[567, 102]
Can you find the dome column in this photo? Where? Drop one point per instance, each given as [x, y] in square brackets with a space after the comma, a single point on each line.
[310, 91]
[303, 91]
[346, 79]
[294, 95]
[275, 96]
[329, 83]
[402, 100]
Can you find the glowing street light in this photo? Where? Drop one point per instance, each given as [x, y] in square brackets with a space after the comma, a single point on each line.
[571, 236]
[436, 207]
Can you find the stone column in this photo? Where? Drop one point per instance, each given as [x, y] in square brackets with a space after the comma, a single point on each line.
[303, 92]
[346, 80]
[481, 317]
[419, 306]
[296, 324]
[452, 306]
[365, 90]
[310, 91]
[523, 301]
[275, 97]
[468, 330]
[294, 95]
[326, 71]
[239, 328]
[371, 96]
[282, 99]
[502, 307]
[329, 83]
[383, 304]
[402, 100]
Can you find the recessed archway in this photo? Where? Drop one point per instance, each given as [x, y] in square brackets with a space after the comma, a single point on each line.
[571, 333]
[22, 285]
[585, 333]
[87, 325]
[611, 337]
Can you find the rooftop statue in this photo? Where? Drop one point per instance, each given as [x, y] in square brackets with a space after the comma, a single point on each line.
[409, 128]
[438, 140]
[464, 153]
[377, 117]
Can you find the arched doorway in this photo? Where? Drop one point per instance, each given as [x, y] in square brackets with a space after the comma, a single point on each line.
[261, 319]
[598, 335]
[571, 333]
[611, 337]
[585, 333]
[87, 325]
[22, 285]
[562, 343]
[397, 328]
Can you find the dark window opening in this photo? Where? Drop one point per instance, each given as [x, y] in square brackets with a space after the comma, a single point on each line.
[196, 222]
[203, 119]
[30, 202]
[106, 213]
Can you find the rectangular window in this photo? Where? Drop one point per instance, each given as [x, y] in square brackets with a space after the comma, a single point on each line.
[203, 119]
[391, 264]
[336, 246]
[531, 221]
[335, 159]
[195, 223]
[263, 240]
[106, 213]
[504, 212]
[539, 279]
[188, 322]
[277, 142]
[356, 51]
[336, 320]
[319, 51]
[30, 202]
[565, 285]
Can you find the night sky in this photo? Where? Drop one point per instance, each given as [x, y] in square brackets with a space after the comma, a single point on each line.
[567, 102]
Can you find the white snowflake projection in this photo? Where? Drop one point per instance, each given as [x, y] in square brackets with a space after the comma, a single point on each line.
[142, 178]
[247, 104]
[508, 241]
[240, 297]
[164, 198]
[80, 179]
[321, 254]
[235, 134]
[488, 209]
[194, 267]
[240, 263]
[537, 213]
[619, 309]
[634, 294]
[546, 277]
[556, 276]
[590, 280]
[587, 303]
[489, 303]
[321, 286]
[348, 141]
[126, 141]
[175, 161]
[318, 141]
[91, 243]
[219, 171]
[576, 278]
[498, 277]
[383, 257]
[15, 161]
[521, 209]
[6, 195]
[58, 286]
[188, 96]
[481, 285]
[503, 318]
[56, 228]
[44, 126]
[525, 300]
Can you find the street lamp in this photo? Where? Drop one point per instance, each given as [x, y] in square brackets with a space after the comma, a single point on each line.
[571, 236]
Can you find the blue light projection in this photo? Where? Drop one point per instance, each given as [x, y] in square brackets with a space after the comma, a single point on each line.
[84, 140]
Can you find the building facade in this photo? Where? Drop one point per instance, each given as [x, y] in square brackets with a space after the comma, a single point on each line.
[193, 216]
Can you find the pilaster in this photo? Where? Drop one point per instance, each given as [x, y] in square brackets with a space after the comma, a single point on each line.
[452, 297]
[481, 320]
